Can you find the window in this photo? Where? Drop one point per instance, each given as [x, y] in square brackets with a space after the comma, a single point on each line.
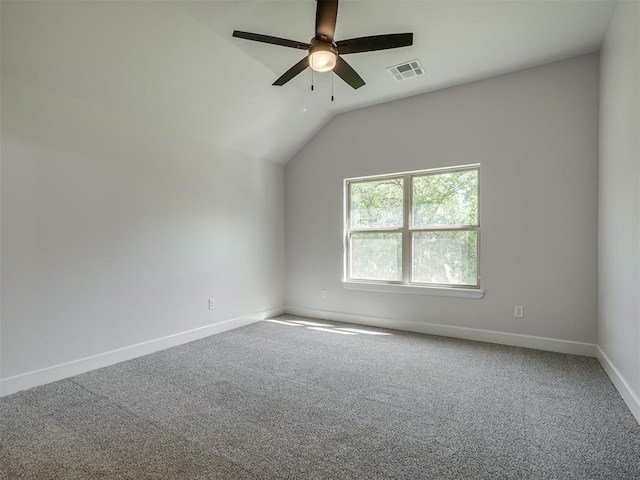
[419, 228]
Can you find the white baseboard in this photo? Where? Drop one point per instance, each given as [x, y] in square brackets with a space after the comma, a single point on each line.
[64, 370]
[627, 394]
[489, 336]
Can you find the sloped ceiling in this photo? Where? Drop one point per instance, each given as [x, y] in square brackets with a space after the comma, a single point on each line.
[177, 63]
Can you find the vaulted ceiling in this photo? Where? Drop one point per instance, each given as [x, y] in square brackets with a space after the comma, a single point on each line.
[176, 63]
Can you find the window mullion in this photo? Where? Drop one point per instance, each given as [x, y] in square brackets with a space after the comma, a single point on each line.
[406, 231]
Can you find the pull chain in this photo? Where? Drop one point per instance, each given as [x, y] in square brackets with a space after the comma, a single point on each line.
[312, 74]
[332, 86]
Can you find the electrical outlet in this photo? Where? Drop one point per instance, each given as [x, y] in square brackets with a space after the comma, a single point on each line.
[212, 303]
[518, 311]
[323, 294]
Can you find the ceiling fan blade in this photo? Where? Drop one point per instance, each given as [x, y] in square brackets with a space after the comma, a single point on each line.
[256, 37]
[292, 72]
[347, 73]
[375, 42]
[326, 14]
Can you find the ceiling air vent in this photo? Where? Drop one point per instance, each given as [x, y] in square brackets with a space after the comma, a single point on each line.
[406, 70]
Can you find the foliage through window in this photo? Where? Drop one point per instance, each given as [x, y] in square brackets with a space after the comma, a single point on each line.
[417, 228]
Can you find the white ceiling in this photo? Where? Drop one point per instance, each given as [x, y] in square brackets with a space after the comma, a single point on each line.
[177, 63]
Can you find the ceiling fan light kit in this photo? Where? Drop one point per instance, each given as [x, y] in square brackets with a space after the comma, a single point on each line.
[323, 54]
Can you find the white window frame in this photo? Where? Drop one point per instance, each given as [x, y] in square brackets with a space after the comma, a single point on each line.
[406, 285]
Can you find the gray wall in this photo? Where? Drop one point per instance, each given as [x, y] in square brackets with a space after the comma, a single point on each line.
[535, 133]
[115, 233]
[619, 228]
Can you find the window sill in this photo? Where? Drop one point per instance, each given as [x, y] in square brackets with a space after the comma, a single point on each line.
[414, 289]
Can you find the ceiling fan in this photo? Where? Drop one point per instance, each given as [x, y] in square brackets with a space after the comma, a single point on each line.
[323, 53]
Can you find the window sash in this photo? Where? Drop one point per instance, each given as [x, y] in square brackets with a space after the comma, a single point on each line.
[407, 230]
[378, 231]
[404, 179]
[413, 255]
